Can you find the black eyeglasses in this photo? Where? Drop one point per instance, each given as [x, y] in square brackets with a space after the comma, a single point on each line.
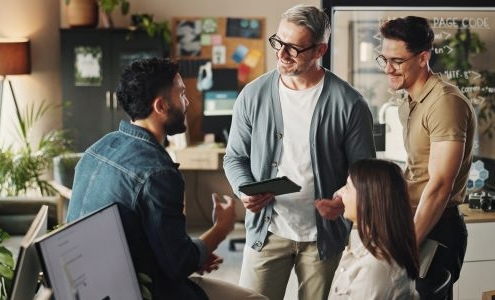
[288, 48]
[394, 63]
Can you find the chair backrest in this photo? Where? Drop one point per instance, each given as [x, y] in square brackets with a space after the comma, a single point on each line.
[17, 213]
[64, 167]
[441, 291]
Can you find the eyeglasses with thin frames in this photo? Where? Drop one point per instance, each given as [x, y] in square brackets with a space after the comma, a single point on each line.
[394, 63]
[290, 49]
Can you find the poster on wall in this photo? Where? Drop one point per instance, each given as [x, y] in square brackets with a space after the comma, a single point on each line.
[188, 34]
[87, 66]
[244, 28]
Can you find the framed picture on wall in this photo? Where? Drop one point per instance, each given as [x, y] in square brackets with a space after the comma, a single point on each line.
[87, 66]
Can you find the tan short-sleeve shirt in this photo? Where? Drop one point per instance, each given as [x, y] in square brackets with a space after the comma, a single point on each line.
[441, 113]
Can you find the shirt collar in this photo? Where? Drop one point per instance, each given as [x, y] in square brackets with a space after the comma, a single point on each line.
[433, 79]
[358, 251]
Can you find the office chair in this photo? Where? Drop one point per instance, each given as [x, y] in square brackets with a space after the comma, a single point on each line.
[444, 286]
[63, 175]
[64, 166]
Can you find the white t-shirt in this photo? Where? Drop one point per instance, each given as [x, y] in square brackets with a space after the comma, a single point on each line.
[360, 275]
[294, 214]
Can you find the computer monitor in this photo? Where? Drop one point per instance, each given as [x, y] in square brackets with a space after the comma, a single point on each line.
[217, 113]
[218, 103]
[89, 258]
[28, 267]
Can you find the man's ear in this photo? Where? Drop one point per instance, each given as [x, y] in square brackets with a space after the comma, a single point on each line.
[160, 105]
[425, 57]
[321, 49]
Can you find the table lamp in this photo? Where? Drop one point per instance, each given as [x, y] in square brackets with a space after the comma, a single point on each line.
[15, 59]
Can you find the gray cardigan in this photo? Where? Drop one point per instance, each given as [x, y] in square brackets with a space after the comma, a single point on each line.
[341, 132]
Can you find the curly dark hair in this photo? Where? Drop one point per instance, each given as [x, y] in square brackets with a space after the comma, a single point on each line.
[142, 81]
[414, 31]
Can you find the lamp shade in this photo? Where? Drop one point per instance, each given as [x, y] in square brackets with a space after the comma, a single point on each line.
[15, 56]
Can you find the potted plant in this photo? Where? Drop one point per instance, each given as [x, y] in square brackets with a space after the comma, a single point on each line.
[153, 28]
[107, 7]
[24, 186]
[22, 168]
[84, 13]
[6, 266]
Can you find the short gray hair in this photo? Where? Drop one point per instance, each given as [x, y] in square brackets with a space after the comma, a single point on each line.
[311, 17]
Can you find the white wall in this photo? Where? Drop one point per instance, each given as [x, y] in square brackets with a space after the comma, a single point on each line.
[167, 9]
[40, 20]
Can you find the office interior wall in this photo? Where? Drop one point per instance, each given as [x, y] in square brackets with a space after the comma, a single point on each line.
[167, 9]
[37, 20]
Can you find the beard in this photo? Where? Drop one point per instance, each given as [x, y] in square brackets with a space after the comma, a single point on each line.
[176, 122]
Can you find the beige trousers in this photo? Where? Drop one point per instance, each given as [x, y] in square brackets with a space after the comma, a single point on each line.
[217, 289]
[267, 272]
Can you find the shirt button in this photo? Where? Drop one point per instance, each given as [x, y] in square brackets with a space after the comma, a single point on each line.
[258, 244]
[274, 164]
[267, 219]
[279, 135]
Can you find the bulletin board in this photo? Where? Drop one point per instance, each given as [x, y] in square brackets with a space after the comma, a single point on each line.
[219, 42]
[226, 42]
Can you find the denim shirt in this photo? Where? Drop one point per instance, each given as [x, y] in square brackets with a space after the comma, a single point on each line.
[131, 168]
[341, 132]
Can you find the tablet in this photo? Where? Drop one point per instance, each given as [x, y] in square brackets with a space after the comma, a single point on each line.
[278, 186]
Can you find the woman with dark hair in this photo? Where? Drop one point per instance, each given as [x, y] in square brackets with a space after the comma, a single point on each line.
[385, 264]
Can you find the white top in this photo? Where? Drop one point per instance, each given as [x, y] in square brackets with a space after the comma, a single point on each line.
[294, 214]
[362, 276]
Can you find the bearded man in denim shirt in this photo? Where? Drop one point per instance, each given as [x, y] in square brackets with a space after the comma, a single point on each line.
[132, 168]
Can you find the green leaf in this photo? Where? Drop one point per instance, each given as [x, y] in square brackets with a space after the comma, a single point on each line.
[6, 263]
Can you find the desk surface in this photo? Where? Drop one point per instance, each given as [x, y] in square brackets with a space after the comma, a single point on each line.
[476, 215]
[210, 158]
[201, 157]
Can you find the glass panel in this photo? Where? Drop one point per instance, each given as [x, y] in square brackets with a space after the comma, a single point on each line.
[463, 53]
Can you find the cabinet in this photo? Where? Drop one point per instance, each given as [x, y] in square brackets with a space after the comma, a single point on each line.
[92, 60]
[478, 271]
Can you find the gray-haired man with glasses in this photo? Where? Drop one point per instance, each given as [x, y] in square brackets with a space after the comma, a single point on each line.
[303, 122]
[439, 125]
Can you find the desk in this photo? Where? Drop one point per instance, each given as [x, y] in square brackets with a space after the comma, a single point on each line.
[478, 271]
[203, 174]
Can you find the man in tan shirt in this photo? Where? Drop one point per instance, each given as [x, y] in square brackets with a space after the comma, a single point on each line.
[438, 126]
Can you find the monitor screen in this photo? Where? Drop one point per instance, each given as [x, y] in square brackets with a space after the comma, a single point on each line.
[28, 267]
[89, 258]
[218, 103]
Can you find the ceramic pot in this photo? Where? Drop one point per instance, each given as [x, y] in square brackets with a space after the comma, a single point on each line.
[82, 13]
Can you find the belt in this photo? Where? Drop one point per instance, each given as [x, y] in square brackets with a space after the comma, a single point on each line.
[450, 212]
